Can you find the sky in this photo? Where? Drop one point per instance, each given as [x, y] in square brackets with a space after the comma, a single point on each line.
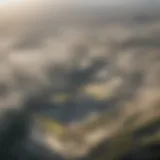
[27, 44]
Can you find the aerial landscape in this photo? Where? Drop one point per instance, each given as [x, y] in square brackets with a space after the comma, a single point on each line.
[88, 75]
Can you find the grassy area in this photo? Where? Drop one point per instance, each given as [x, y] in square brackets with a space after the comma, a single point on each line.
[127, 137]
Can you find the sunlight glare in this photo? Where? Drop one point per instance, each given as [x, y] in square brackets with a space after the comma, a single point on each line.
[5, 2]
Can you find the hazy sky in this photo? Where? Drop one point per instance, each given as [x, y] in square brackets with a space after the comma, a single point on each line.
[84, 2]
[106, 2]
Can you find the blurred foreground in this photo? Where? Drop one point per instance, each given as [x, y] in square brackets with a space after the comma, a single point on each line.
[96, 96]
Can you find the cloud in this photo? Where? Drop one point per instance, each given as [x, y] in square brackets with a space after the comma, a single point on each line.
[33, 38]
[25, 27]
